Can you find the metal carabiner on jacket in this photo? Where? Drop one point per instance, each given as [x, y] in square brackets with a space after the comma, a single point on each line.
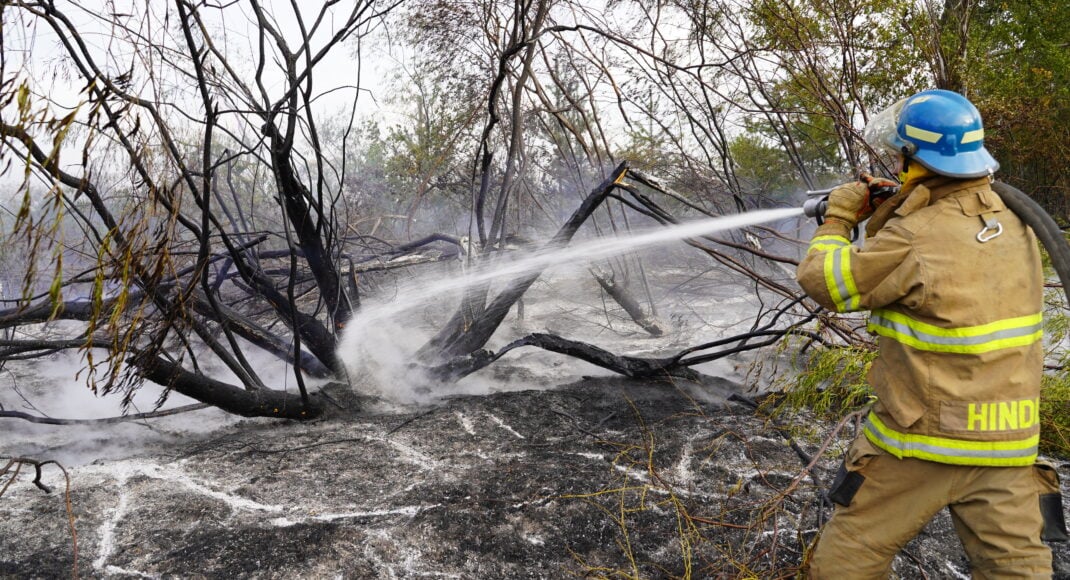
[991, 225]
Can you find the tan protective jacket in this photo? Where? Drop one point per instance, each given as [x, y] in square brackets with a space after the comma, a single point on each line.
[958, 322]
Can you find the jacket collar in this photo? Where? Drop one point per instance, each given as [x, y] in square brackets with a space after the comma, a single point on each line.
[928, 191]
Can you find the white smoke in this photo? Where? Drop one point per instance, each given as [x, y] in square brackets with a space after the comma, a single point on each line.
[380, 344]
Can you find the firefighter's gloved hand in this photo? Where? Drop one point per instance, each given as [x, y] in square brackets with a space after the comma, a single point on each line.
[849, 204]
[880, 188]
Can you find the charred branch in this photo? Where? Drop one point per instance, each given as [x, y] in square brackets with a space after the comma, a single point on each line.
[45, 311]
[460, 340]
[622, 296]
[105, 421]
[676, 366]
[232, 399]
[399, 261]
[248, 329]
[633, 367]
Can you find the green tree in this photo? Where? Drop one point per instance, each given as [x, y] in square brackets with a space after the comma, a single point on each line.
[834, 63]
[415, 166]
[1020, 78]
[761, 168]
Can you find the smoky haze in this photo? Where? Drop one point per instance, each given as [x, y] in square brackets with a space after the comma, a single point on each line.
[380, 342]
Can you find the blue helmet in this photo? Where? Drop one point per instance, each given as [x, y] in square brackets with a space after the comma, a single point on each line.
[940, 129]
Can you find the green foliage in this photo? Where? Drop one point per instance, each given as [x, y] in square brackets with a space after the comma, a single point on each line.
[761, 168]
[828, 381]
[838, 59]
[1055, 387]
[1055, 414]
[415, 168]
[1020, 80]
[648, 149]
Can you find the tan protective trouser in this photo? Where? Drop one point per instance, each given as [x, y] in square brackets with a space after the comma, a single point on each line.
[996, 512]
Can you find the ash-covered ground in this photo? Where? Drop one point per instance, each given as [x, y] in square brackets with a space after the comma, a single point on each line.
[602, 478]
[537, 467]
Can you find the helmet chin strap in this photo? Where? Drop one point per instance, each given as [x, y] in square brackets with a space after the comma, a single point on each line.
[913, 172]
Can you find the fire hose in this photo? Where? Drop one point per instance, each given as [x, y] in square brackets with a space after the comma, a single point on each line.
[1047, 231]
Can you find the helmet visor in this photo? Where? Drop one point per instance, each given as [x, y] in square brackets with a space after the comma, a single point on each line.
[880, 131]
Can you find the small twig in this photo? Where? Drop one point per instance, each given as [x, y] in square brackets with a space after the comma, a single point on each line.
[918, 563]
[409, 420]
[808, 461]
[18, 391]
[309, 446]
[821, 450]
[14, 476]
[37, 479]
[105, 421]
[711, 522]
[575, 420]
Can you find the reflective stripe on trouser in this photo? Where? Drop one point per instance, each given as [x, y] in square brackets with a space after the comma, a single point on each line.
[996, 512]
[1007, 333]
[837, 268]
[1016, 453]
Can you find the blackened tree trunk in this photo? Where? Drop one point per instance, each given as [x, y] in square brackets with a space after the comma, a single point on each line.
[459, 340]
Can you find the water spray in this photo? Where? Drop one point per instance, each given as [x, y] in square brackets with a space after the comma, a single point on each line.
[377, 343]
[587, 251]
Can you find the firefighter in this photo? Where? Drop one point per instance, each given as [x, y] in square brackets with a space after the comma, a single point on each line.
[953, 283]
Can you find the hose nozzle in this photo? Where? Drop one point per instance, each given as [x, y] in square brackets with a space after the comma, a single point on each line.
[815, 207]
[817, 203]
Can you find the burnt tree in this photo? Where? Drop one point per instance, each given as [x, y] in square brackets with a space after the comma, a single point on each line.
[192, 210]
[189, 231]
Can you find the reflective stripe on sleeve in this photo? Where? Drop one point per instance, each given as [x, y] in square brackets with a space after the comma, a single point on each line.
[1006, 333]
[826, 243]
[1019, 452]
[837, 269]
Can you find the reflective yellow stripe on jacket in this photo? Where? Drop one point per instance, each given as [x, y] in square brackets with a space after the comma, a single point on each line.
[1006, 333]
[837, 267]
[954, 451]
